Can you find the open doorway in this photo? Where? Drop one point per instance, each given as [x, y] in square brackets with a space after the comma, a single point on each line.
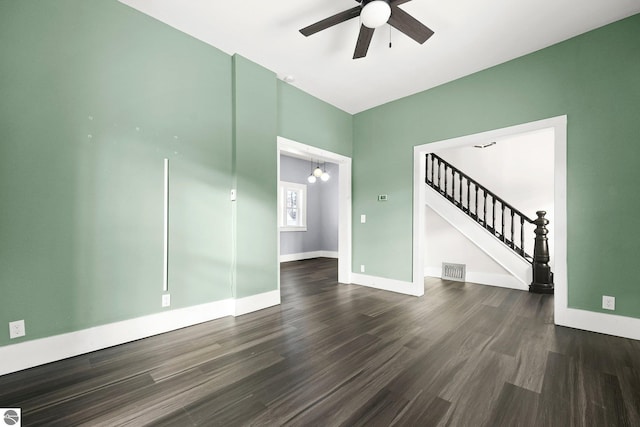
[308, 209]
[297, 150]
[558, 124]
[519, 169]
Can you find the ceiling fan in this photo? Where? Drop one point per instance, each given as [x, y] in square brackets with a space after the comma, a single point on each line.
[374, 14]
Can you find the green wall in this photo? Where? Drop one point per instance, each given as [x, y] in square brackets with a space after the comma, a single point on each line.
[594, 80]
[255, 176]
[94, 96]
[308, 120]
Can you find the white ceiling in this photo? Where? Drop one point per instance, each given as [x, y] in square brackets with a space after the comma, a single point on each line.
[470, 36]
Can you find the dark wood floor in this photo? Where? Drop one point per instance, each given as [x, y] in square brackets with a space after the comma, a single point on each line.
[332, 354]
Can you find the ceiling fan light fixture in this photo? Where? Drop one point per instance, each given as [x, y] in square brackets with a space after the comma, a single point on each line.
[375, 14]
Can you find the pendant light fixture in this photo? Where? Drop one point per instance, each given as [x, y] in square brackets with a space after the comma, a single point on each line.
[325, 175]
[311, 178]
[318, 172]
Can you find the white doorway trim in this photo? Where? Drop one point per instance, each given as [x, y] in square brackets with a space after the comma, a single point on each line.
[308, 152]
[559, 124]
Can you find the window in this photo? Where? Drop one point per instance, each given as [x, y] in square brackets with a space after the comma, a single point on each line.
[292, 214]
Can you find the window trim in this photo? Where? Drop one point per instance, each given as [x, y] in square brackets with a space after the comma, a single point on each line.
[284, 186]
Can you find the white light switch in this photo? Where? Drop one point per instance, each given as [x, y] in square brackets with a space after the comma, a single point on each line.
[363, 218]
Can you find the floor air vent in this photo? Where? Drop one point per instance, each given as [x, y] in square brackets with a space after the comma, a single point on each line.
[455, 272]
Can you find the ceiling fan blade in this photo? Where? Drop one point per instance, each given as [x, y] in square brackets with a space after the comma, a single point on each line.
[364, 39]
[390, 1]
[409, 25]
[331, 21]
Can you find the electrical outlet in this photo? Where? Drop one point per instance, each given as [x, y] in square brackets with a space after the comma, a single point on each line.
[362, 268]
[166, 300]
[608, 303]
[17, 329]
[363, 218]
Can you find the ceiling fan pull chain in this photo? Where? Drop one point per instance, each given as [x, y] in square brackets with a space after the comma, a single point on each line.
[389, 36]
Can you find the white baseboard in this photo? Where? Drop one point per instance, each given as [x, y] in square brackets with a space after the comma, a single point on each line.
[491, 279]
[433, 272]
[16, 357]
[256, 302]
[494, 279]
[308, 255]
[604, 323]
[407, 288]
[610, 324]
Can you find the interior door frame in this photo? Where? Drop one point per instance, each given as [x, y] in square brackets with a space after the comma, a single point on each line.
[559, 124]
[308, 152]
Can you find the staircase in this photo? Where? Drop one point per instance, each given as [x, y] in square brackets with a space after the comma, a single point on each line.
[516, 242]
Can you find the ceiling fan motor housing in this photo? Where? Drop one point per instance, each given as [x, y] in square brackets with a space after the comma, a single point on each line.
[375, 13]
[363, 3]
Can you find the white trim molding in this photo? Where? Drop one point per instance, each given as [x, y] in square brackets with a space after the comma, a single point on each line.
[399, 286]
[610, 324]
[495, 279]
[256, 302]
[27, 354]
[24, 355]
[301, 189]
[480, 278]
[308, 255]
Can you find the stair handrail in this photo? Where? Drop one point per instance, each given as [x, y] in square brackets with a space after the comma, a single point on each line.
[476, 183]
[542, 274]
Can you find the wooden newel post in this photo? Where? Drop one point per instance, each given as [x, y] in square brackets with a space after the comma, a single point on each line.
[542, 275]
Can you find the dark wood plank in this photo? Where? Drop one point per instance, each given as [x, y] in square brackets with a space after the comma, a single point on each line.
[335, 354]
[515, 406]
[380, 410]
[424, 409]
[630, 387]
